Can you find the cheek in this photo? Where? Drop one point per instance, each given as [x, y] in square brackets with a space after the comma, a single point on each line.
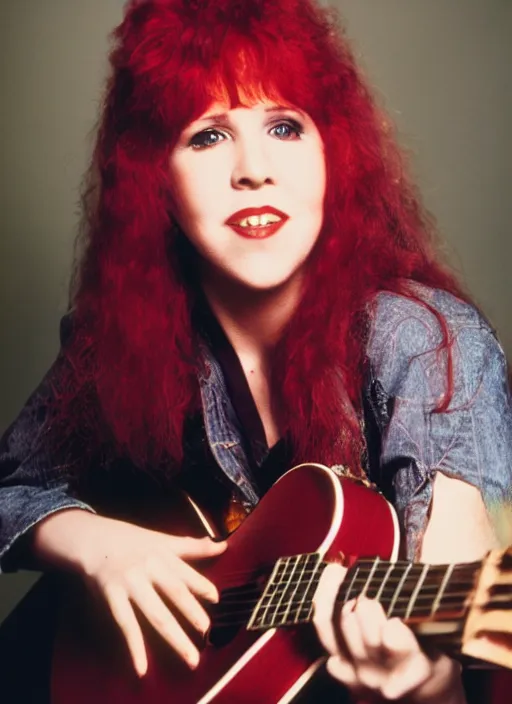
[307, 175]
[316, 176]
[197, 195]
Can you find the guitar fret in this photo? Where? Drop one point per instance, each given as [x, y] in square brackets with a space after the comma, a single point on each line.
[304, 607]
[288, 616]
[415, 593]
[304, 586]
[285, 592]
[281, 589]
[370, 577]
[259, 613]
[442, 587]
[383, 583]
[287, 596]
[404, 589]
[398, 589]
[347, 593]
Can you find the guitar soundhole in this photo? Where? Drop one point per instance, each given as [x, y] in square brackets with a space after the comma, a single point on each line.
[220, 636]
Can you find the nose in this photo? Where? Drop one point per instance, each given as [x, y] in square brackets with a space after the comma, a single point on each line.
[252, 168]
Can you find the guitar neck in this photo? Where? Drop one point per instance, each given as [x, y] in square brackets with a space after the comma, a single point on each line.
[416, 593]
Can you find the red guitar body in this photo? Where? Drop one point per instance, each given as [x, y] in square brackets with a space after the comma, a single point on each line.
[310, 509]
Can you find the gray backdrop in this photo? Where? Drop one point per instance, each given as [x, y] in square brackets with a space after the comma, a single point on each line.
[442, 68]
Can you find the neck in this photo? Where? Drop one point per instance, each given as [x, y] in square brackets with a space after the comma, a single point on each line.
[253, 320]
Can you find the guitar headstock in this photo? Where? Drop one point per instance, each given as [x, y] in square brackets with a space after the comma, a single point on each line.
[488, 629]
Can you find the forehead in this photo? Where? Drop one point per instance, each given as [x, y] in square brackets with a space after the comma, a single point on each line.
[219, 110]
[243, 90]
[222, 100]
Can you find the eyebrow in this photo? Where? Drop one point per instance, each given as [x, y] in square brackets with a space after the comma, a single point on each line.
[223, 116]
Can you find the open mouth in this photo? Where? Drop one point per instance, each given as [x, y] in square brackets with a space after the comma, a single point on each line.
[257, 222]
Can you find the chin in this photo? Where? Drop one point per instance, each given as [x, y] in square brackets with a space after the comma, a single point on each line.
[268, 283]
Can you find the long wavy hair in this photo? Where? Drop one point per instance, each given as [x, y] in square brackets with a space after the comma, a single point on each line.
[134, 346]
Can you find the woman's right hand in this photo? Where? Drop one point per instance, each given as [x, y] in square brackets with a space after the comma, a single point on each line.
[132, 566]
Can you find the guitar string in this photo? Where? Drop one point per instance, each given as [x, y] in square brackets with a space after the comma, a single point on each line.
[225, 614]
[359, 581]
[462, 574]
[242, 619]
[424, 591]
[381, 569]
[361, 574]
[225, 618]
[362, 562]
[457, 578]
[239, 618]
[448, 600]
[406, 597]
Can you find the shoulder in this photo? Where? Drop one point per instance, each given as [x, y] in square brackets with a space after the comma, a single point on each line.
[421, 315]
[407, 334]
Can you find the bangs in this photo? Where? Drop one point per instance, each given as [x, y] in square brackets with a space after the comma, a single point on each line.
[248, 74]
[178, 60]
[237, 72]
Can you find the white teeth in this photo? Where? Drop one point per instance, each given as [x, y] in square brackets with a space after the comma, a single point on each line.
[259, 220]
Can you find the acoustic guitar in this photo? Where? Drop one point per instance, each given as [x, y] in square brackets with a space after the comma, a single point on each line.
[261, 646]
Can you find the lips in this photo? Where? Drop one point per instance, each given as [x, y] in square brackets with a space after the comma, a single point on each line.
[253, 223]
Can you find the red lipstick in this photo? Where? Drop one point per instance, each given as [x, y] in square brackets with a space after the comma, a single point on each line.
[256, 231]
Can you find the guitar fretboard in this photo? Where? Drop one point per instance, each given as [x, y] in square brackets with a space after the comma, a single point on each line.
[412, 592]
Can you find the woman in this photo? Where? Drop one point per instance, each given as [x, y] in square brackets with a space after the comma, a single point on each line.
[258, 287]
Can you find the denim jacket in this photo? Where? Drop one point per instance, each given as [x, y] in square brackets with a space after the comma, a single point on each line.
[408, 440]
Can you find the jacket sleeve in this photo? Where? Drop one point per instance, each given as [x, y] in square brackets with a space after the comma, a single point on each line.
[35, 481]
[472, 439]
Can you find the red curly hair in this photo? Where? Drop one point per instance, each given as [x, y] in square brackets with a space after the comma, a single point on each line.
[134, 344]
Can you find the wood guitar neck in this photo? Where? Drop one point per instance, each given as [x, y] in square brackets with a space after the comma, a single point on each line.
[465, 606]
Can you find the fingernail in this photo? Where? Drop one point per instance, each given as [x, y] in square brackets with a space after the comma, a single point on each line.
[218, 543]
[193, 660]
[203, 627]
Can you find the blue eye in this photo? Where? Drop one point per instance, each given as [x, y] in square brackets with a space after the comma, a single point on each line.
[287, 130]
[206, 138]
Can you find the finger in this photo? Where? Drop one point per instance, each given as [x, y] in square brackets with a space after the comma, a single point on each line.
[342, 670]
[399, 640]
[371, 620]
[441, 675]
[124, 616]
[195, 548]
[163, 621]
[323, 604]
[195, 581]
[410, 674]
[178, 593]
[351, 634]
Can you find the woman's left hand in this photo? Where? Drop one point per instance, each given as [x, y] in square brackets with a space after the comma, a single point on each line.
[379, 658]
